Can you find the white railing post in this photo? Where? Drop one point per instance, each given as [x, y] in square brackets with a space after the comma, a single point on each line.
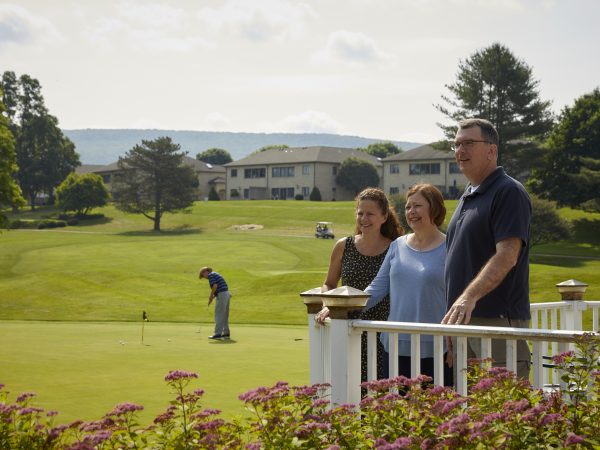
[572, 292]
[313, 302]
[344, 343]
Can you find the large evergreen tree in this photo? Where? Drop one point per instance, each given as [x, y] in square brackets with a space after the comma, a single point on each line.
[570, 173]
[153, 180]
[45, 156]
[495, 85]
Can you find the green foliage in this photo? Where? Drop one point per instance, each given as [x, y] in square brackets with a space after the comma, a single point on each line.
[152, 180]
[315, 195]
[570, 172]
[356, 174]
[216, 156]
[493, 84]
[546, 224]
[381, 149]
[10, 193]
[399, 203]
[501, 411]
[272, 147]
[212, 194]
[44, 155]
[80, 193]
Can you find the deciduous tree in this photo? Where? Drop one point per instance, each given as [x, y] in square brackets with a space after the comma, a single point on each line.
[570, 172]
[153, 180]
[356, 174]
[382, 149]
[80, 193]
[10, 193]
[216, 156]
[495, 85]
[45, 156]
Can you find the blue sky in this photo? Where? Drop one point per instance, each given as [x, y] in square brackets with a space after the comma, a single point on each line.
[372, 68]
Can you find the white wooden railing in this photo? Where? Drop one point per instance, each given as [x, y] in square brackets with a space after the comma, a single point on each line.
[335, 345]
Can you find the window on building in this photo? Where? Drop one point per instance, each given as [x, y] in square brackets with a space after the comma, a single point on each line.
[306, 169]
[305, 191]
[334, 170]
[233, 173]
[106, 179]
[255, 173]
[282, 193]
[282, 172]
[394, 190]
[394, 168]
[453, 168]
[424, 169]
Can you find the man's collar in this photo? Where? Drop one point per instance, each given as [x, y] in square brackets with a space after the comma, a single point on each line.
[485, 184]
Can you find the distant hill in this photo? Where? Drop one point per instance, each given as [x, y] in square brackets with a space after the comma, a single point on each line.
[102, 146]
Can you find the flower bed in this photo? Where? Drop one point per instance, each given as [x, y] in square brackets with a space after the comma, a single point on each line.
[501, 411]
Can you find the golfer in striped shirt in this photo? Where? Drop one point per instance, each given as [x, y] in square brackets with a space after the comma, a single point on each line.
[220, 290]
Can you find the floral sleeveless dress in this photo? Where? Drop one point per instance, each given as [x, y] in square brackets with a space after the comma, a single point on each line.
[358, 271]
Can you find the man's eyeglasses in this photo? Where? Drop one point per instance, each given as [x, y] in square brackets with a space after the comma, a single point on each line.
[467, 144]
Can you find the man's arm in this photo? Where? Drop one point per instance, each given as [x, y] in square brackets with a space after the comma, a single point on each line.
[213, 289]
[488, 278]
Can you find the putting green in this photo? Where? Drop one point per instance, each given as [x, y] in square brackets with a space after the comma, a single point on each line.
[82, 370]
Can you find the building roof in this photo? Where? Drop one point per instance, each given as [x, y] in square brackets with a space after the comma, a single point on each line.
[424, 152]
[199, 166]
[297, 155]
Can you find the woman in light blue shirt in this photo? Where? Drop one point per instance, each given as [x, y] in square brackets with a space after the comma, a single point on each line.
[412, 274]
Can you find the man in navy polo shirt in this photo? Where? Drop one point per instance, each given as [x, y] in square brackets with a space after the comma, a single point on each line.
[220, 290]
[487, 264]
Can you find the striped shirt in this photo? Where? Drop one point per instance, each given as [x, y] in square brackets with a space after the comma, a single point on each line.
[215, 278]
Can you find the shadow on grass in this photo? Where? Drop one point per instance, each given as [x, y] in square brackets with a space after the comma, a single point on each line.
[557, 261]
[587, 230]
[83, 222]
[177, 231]
[222, 341]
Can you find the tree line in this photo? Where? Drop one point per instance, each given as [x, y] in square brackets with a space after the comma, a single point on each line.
[557, 158]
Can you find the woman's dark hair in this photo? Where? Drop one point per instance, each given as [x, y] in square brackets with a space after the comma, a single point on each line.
[391, 228]
[437, 210]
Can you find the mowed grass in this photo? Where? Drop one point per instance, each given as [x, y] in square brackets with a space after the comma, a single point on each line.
[69, 296]
[83, 370]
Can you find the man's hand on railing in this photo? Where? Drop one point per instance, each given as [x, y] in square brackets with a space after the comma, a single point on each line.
[322, 315]
[459, 312]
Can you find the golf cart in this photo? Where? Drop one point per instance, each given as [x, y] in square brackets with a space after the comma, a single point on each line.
[324, 230]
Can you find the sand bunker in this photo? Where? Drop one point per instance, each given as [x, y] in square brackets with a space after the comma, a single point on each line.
[246, 227]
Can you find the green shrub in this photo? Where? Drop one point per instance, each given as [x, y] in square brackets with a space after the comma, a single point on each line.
[23, 223]
[315, 195]
[49, 223]
[299, 197]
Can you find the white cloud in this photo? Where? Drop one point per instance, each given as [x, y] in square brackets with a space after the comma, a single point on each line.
[351, 47]
[19, 26]
[148, 27]
[258, 20]
[305, 122]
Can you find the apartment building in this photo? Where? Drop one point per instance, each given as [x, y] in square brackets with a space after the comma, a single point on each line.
[423, 164]
[286, 173]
